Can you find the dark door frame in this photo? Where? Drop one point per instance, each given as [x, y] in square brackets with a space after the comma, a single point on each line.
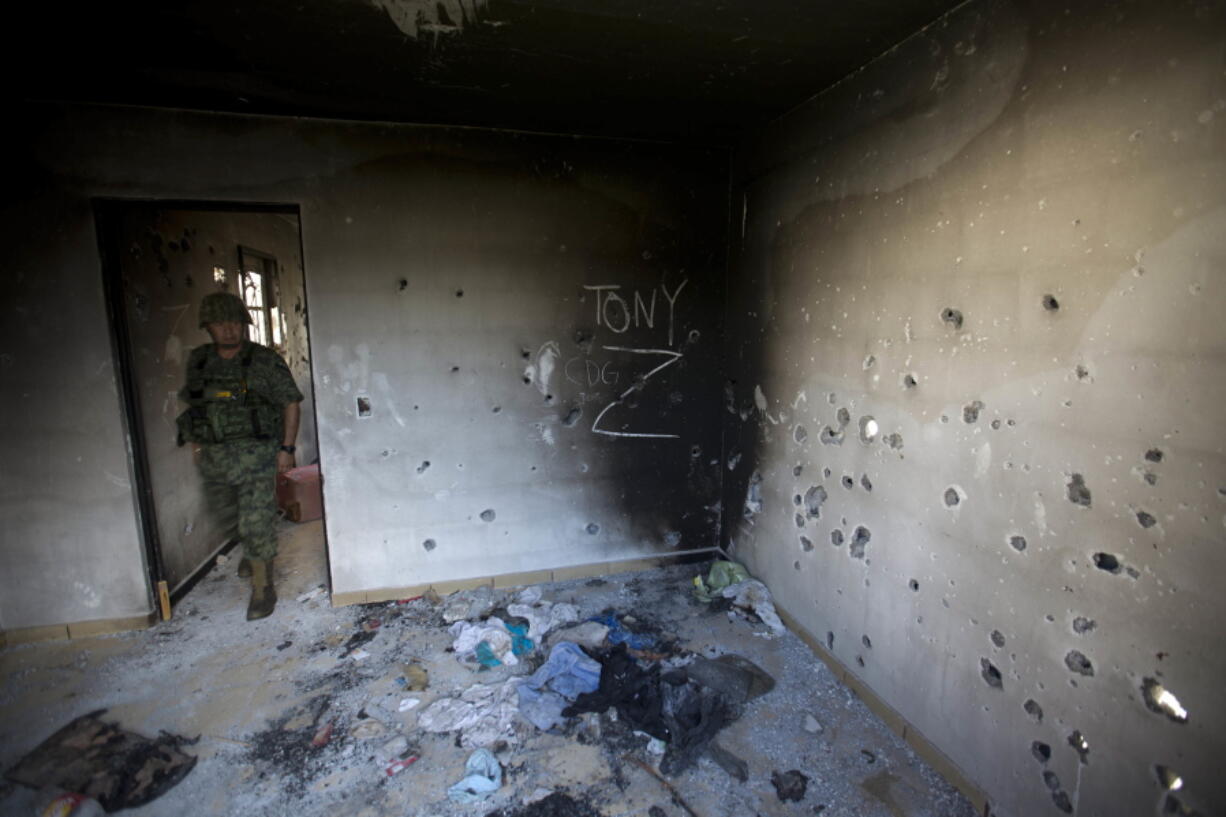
[107, 212]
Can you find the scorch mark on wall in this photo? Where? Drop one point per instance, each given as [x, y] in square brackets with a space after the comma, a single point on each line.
[673, 357]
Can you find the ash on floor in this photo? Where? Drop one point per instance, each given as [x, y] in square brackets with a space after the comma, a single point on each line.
[301, 712]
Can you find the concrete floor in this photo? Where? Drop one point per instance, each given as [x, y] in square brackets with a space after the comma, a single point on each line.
[254, 691]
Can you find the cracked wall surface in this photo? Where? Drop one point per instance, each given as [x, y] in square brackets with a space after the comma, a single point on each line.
[973, 411]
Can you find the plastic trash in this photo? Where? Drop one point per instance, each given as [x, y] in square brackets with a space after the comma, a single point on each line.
[722, 574]
[60, 803]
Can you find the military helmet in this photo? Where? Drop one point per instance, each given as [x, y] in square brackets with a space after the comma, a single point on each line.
[220, 307]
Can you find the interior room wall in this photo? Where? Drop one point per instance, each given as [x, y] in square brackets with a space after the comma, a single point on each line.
[974, 407]
[515, 338]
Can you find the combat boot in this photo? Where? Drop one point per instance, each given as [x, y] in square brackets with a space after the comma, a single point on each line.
[263, 596]
[244, 568]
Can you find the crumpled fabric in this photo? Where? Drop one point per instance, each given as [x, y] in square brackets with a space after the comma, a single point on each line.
[469, 604]
[618, 634]
[753, 595]
[567, 673]
[671, 707]
[590, 634]
[482, 777]
[492, 642]
[721, 575]
[544, 616]
[483, 714]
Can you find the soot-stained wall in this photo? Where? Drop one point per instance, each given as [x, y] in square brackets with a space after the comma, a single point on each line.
[974, 420]
[515, 345]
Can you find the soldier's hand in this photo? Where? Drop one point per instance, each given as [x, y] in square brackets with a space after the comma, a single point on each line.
[285, 461]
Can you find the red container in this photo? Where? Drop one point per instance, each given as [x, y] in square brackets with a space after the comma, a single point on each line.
[299, 493]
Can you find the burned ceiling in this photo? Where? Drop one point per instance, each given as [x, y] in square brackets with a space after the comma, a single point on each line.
[686, 70]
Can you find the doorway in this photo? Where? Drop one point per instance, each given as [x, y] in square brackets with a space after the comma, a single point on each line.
[160, 259]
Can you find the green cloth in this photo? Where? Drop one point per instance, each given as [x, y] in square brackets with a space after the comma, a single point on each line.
[722, 574]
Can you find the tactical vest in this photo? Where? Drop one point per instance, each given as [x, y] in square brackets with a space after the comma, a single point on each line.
[220, 407]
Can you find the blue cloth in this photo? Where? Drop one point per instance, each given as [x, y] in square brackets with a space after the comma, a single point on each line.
[520, 643]
[482, 777]
[563, 677]
[618, 634]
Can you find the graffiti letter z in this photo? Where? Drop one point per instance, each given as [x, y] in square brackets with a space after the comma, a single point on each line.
[673, 357]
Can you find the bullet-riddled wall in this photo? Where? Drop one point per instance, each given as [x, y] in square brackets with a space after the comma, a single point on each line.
[974, 423]
[514, 345]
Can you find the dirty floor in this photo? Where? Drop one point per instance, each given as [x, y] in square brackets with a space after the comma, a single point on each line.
[257, 693]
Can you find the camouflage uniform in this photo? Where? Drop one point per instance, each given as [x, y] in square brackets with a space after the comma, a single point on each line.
[239, 456]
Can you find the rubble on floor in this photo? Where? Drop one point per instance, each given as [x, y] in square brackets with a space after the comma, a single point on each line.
[623, 695]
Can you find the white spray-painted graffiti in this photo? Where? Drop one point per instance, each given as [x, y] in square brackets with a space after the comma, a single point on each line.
[619, 314]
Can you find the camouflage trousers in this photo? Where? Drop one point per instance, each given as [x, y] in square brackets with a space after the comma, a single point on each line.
[240, 480]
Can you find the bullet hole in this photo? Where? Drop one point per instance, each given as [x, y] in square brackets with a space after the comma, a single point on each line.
[866, 483]
[1167, 778]
[952, 317]
[459, 293]
[1107, 562]
[831, 437]
[869, 362]
[1146, 520]
[496, 409]
[695, 451]
[1062, 801]
[836, 537]
[1083, 625]
[363, 406]
[996, 425]
[894, 441]
[798, 470]
[998, 638]
[1033, 710]
[826, 473]
[796, 500]
[429, 545]
[1050, 303]
[1083, 374]
[1017, 542]
[1076, 661]
[859, 541]
[868, 429]
[1080, 745]
[1078, 493]
[593, 528]
[1151, 478]
[953, 497]
[402, 284]
[572, 416]
[806, 544]
[527, 380]
[800, 520]
[796, 565]
[814, 497]
[860, 660]
[455, 369]
[991, 675]
[488, 515]
[1159, 699]
[868, 756]
[909, 381]
[1041, 751]
[1051, 780]
[421, 469]
[800, 434]
[868, 644]
[914, 585]
[829, 640]
[849, 482]
[1154, 455]
[970, 412]
[844, 418]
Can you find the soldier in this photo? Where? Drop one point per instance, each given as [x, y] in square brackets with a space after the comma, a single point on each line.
[242, 418]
